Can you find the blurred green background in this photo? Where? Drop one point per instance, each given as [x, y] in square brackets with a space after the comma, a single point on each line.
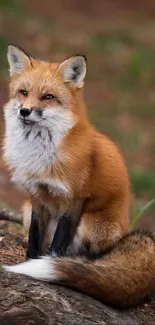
[118, 38]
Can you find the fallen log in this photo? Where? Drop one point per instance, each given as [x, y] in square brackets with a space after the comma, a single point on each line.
[7, 215]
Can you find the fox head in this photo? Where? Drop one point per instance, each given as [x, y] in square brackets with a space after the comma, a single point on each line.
[41, 92]
[45, 102]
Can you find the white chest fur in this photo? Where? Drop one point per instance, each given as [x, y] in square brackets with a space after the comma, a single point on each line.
[32, 149]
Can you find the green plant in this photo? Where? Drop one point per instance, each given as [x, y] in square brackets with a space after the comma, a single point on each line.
[137, 215]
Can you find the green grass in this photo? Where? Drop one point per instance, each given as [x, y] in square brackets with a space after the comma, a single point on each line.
[139, 63]
[3, 49]
[9, 4]
[16, 8]
[104, 117]
[111, 41]
[141, 69]
[143, 181]
[141, 109]
[137, 212]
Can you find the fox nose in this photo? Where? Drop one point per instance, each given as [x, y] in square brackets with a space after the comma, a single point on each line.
[25, 112]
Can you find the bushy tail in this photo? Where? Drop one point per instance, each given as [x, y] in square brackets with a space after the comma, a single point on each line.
[123, 278]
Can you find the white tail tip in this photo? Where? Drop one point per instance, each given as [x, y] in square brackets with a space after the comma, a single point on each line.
[42, 269]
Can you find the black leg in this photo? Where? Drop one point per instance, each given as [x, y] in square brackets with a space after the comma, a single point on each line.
[62, 236]
[66, 228]
[35, 237]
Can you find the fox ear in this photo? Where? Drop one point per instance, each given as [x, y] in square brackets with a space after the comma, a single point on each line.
[74, 70]
[18, 60]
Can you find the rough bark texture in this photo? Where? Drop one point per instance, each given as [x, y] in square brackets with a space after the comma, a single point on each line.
[25, 301]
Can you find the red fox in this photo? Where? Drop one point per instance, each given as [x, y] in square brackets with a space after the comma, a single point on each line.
[73, 174]
[78, 185]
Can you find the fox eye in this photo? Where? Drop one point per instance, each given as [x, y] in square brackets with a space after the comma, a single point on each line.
[47, 97]
[23, 92]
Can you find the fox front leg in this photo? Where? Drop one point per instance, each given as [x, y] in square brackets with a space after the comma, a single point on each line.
[65, 230]
[36, 233]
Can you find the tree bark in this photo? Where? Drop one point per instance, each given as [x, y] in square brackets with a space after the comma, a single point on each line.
[7, 215]
[26, 301]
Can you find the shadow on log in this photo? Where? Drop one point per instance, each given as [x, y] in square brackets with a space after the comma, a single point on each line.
[26, 301]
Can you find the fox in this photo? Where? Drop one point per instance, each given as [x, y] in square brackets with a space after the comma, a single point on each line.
[78, 187]
[76, 177]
